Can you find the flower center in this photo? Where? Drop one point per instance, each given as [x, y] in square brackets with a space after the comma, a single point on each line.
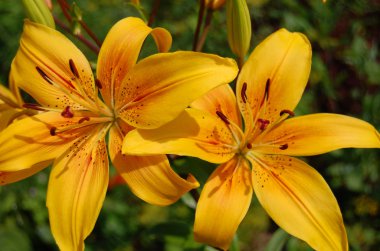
[258, 125]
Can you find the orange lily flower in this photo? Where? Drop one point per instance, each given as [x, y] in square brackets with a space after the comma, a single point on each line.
[71, 131]
[258, 159]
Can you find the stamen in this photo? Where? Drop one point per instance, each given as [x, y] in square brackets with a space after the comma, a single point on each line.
[249, 146]
[44, 76]
[67, 113]
[98, 84]
[83, 120]
[52, 131]
[284, 147]
[222, 117]
[73, 69]
[243, 92]
[289, 112]
[266, 93]
[263, 123]
[33, 107]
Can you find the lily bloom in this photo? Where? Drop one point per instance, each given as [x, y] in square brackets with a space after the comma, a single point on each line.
[71, 130]
[258, 158]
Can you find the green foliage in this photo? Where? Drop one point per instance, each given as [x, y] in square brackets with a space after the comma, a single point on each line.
[345, 79]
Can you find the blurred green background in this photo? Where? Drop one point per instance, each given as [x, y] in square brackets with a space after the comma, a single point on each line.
[345, 79]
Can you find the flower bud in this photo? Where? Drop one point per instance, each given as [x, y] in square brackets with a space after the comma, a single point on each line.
[238, 27]
[38, 11]
[214, 4]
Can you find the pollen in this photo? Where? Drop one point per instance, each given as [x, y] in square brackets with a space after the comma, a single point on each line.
[53, 131]
[244, 92]
[66, 113]
[289, 112]
[263, 123]
[284, 147]
[43, 75]
[98, 83]
[73, 68]
[222, 117]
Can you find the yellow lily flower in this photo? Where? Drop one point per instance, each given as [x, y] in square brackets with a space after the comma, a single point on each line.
[71, 129]
[258, 158]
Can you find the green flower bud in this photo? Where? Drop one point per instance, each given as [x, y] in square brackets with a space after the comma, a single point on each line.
[238, 27]
[38, 11]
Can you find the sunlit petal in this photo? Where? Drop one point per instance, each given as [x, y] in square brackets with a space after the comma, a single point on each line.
[319, 133]
[159, 87]
[56, 73]
[150, 177]
[223, 203]
[222, 99]
[28, 142]
[120, 51]
[284, 59]
[194, 133]
[77, 188]
[299, 200]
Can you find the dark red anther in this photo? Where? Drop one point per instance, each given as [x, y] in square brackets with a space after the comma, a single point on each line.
[67, 113]
[33, 107]
[263, 123]
[249, 146]
[73, 68]
[44, 76]
[83, 120]
[52, 131]
[244, 92]
[289, 112]
[266, 93]
[222, 117]
[284, 147]
[98, 84]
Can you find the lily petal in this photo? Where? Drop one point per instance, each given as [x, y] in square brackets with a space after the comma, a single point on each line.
[27, 143]
[56, 74]
[120, 51]
[150, 177]
[11, 177]
[299, 200]
[161, 86]
[319, 133]
[223, 203]
[284, 59]
[77, 188]
[222, 99]
[193, 133]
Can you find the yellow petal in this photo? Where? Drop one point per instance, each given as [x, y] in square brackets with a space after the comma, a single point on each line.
[56, 73]
[299, 200]
[11, 177]
[223, 203]
[7, 97]
[149, 177]
[7, 115]
[222, 99]
[77, 188]
[27, 143]
[194, 133]
[161, 86]
[320, 133]
[285, 59]
[120, 51]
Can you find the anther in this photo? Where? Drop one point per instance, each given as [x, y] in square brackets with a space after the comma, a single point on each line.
[263, 123]
[222, 117]
[249, 146]
[243, 92]
[284, 147]
[52, 131]
[98, 84]
[266, 93]
[33, 107]
[73, 69]
[83, 120]
[44, 76]
[67, 113]
[289, 112]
